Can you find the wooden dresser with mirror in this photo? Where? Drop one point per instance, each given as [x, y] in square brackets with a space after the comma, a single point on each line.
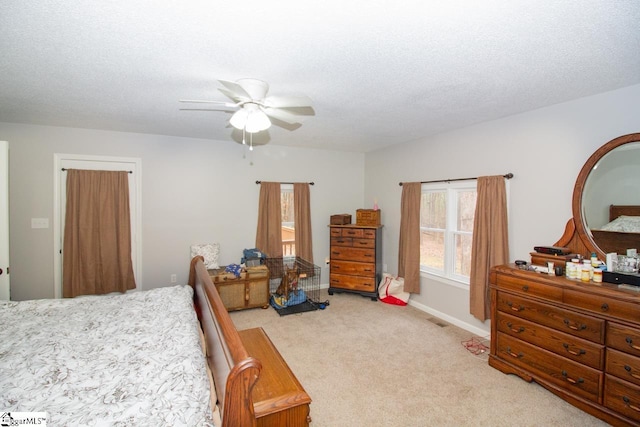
[580, 340]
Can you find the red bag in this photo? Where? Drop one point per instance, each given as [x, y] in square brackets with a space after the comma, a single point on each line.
[391, 290]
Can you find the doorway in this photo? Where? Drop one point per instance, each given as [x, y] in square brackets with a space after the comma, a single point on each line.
[77, 161]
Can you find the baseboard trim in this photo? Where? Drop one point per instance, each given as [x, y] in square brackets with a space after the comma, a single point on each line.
[454, 321]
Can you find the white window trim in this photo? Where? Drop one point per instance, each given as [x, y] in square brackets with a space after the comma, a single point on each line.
[287, 188]
[447, 276]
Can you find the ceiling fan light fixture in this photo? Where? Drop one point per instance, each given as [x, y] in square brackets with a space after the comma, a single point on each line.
[257, 121]
[250, 118]
[239, 119]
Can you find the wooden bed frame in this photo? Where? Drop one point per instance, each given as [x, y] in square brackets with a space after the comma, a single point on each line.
[615, 241]
[234, 371]
[238, 359]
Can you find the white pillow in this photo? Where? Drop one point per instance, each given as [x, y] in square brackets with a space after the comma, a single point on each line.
[209, 252]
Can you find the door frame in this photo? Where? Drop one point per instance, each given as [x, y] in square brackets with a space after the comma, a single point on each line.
[5, 279]
[134, 165]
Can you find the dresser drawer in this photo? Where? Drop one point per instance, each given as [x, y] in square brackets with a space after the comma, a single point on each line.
[368, 233]
[335, 232]
[342, 241]
[569, 375]
[622, 397]
[352, 232]
[353, 254]
[353, 268]
[353, 242]
[623, 338]
[356, 283]
[566, 345]
[623, 365]
[364, 243]
[529, 287]
[567, 321]
[601, 305]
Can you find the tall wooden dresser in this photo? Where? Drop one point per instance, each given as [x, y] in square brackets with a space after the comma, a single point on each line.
[356, 259]
[580, 340]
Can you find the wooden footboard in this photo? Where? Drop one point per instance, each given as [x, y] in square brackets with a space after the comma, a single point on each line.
[234, 371]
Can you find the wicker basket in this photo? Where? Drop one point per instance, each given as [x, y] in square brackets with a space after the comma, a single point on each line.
[369, 217]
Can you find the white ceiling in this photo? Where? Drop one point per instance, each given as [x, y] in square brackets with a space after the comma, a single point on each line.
[378, 72]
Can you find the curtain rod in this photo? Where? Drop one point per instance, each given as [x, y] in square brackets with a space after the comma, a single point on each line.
[310, 183]
[65, 169]
[506, 176]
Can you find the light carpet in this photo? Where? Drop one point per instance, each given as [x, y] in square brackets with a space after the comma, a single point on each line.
[366, 363]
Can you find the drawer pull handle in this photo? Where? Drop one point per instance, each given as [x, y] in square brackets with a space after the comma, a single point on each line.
[630, 342]
[514, 308]
[525, 288]
[368, 270]
[575, 353]
[627, 401]
[629, 369]
[514, 355]
[518, 330]
[571, 380]
[605, 307]
[574, 327]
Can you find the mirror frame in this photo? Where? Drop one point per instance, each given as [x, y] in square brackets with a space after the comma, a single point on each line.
[583, 233]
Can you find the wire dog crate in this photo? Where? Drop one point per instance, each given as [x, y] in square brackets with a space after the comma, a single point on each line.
[304, 295]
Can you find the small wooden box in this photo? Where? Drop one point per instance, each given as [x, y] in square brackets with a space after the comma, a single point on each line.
[538, 258]
[369, 217]
[340, 219]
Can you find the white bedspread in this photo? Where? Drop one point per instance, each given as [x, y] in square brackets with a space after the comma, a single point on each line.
[624, 224]
[117, 360]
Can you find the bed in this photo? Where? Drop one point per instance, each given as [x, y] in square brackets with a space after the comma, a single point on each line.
[132, 359]
[622, 232]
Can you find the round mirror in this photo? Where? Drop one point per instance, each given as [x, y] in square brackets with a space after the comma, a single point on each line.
[606, 197]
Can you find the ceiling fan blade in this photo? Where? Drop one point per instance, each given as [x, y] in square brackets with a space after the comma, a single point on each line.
[234, 96]
[223, 109]
[283, 116]
[287, 101]
[234, 90]
[202, 101]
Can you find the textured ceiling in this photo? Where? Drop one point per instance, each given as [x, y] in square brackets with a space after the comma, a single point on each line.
[378, 72]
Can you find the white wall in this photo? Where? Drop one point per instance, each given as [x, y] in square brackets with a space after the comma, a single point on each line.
[193, 191]
[545, 150]
[203, 191]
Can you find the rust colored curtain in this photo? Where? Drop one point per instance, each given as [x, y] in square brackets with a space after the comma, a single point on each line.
[269, 232]
[302, 221]
[490, 241]
[97, 234]
[409, 246]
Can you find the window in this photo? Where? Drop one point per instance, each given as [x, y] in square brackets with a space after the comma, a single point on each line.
[288, 226]
[446, 229]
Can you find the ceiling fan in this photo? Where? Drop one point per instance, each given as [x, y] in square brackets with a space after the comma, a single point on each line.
[256, 110]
